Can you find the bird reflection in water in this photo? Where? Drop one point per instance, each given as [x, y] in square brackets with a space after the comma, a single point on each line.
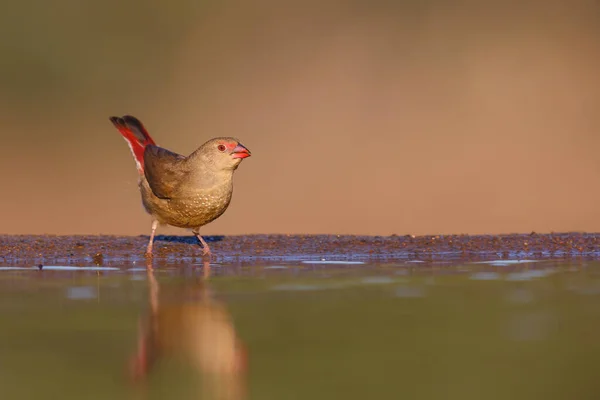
[196, 327]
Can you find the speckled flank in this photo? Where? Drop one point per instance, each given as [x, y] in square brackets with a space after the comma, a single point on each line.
[190, 211]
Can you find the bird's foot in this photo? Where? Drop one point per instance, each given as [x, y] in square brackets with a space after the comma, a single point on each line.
[151, 241]
[149, 252]
[205, 249]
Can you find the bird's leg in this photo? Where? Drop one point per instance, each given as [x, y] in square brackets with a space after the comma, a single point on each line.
[205, 248]
[149, 248]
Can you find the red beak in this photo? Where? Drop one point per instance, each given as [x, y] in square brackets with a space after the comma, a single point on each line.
[240, 151]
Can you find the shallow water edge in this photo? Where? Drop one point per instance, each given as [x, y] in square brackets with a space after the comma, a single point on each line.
[30, 250]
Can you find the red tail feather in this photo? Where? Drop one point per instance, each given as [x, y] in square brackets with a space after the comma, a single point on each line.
[135, 135]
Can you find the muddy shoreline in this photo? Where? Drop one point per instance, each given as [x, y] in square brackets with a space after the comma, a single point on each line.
[107, 250]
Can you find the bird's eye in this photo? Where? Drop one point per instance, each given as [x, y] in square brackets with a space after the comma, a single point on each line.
[221, 147]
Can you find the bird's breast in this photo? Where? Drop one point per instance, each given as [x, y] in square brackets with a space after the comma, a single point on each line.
[202, 206]
[191, 208]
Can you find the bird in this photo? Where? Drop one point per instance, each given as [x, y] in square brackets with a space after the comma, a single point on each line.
[182, 191]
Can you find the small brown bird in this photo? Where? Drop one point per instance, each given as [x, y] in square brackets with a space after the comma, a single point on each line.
[186, 192]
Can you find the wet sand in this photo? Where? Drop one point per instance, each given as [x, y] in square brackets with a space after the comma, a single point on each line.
[252, 249]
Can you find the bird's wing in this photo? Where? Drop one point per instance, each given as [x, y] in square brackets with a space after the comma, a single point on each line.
[164, 170]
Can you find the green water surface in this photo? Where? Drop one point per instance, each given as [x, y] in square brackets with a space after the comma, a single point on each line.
[471, 331]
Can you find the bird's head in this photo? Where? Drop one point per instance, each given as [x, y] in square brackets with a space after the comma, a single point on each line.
[224, 153]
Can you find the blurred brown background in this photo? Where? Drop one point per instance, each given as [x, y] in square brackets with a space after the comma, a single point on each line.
[363, 116]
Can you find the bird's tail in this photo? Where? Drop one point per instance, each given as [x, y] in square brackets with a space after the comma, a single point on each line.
[135, 135]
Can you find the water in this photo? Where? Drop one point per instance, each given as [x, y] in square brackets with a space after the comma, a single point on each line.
[302, 331]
